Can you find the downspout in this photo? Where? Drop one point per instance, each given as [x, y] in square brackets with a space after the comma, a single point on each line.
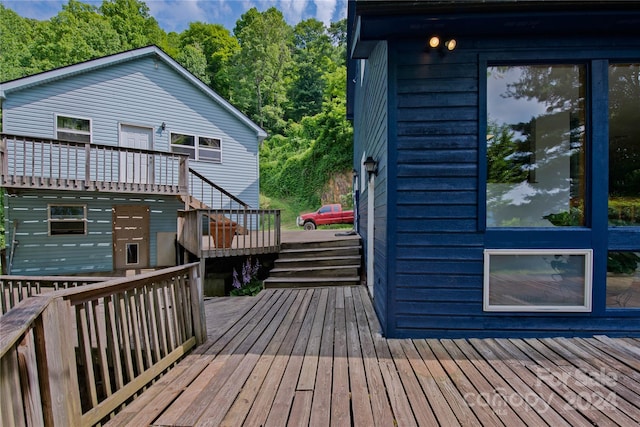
[14, 243]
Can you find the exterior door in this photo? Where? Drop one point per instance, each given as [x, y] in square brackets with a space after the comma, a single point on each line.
[135, 166]
[130, 237]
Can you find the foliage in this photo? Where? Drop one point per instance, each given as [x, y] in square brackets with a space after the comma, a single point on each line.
[2, 238]
[247, 283]
[622, 262]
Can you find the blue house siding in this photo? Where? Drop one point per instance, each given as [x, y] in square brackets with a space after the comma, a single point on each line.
[372, 133]
[37, 253]
[142, 92]
[439, 214]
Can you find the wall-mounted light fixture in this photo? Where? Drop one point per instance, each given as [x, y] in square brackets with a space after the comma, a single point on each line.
[436, 43]
[371, 166]
[163, 126]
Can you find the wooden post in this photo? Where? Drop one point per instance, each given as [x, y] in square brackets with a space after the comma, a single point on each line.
[60, 360]
[196, 279]
[87, 165]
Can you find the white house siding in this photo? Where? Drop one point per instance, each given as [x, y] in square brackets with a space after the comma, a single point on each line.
[37, 253]
[144, 92]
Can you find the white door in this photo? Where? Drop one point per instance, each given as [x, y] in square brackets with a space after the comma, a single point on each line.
[135, 166]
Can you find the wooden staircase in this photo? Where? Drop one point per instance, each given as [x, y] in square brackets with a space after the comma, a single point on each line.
[315, 264]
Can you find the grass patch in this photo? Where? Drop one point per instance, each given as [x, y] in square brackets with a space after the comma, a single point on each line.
[289, 210]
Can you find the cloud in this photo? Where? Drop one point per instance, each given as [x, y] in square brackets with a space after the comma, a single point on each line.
[325, 10]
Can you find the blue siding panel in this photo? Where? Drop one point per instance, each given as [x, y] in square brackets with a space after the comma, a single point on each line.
[437, 288]
[37, 253]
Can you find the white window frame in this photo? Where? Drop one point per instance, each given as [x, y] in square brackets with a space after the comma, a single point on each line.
[588, 279]
[196, 147]
[56, 129]
[51, 220]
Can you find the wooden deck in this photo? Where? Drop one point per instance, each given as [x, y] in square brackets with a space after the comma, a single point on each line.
[315, 357]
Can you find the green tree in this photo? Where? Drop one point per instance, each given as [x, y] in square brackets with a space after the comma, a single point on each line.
[132, 21]
[507, 159]
[193, 59]
[16, 33]
[219, 48]
[262, 66]
[77, 33]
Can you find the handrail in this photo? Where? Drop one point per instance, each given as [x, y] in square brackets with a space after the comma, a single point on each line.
[216, 187]
[96, 345]
[14, 289]
[28, 162]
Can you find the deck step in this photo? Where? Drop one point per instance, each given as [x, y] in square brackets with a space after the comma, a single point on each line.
[318, 261]
[327, 271]
[310, 282]
[317, 264]
[320, 252]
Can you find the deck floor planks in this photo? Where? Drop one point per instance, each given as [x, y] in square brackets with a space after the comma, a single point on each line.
[528, 387]
[340, 415]
[310, 364]
[360, 394]
[494, 378]
[281, 406]
[321, 404]
[553, 372]
[380, 406]
[240, 409]
[224, 398]
[316, 357]
[592, 393]
[452, 395]
[598, 377]
[482, 408]
[403, 415]
[261, 406]
[187, 409]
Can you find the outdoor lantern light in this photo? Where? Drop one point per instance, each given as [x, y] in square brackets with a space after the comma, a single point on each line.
[450, 44]
[371, 166]
[163, 126]
[434, 41]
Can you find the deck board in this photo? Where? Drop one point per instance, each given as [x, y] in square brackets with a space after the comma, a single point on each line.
[315, 357]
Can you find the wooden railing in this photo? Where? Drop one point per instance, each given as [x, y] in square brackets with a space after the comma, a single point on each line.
[73, 357]
[27, 162]
[210, 195]
[14, 289]
[212, 233]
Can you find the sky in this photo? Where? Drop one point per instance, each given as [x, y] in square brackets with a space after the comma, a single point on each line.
[175, 15]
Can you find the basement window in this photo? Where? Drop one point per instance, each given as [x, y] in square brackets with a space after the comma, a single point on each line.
[537, 280]
[67, 220]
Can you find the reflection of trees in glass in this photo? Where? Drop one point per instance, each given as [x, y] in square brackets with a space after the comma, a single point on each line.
[544, 156]
[624, 130]
[507, 158]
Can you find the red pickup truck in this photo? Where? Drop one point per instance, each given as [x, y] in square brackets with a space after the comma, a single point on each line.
[327, 214]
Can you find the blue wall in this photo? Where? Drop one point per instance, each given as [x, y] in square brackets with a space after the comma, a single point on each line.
[39, 254]
[434, 187]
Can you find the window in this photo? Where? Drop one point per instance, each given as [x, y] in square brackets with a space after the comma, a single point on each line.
[132, 253]
[623, 279]
[624, 145]
[536, 145]
[207, 149]
[73, 129]
[537, 280]
[67, 219]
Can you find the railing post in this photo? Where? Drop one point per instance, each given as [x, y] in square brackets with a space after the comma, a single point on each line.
[61, 402]
[183, 175]
[87, 165]
[196, 279]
